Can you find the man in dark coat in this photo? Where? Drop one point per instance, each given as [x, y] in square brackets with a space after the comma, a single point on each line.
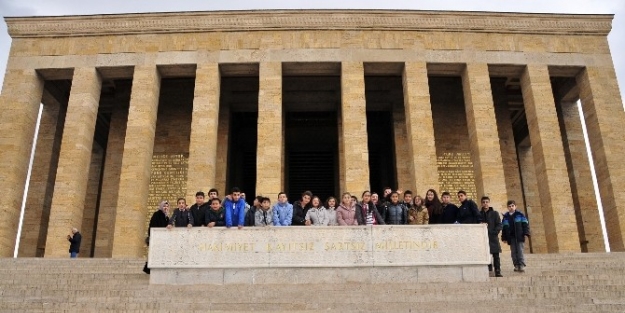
[74, 243]
[491, 218]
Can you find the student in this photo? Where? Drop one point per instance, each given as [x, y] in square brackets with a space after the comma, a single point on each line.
[346, 212]
[491, 218]
[434, 206]
[450, 210]
[213, 193]
[234, 208]
[317, 215]
[300, 208]
[331, 209]
[263, 215]
[250, 216]
[369, 214]
[182, 217]
[375, 199]
[467, 212]
[215, 215]
[407, 199]
[199, 209]
[282, 211]
[247, 205]
[397, 214]
[515, 229]
[418, 214]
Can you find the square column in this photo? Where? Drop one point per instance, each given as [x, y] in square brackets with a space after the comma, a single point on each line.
[582, 189]
[420, 128]
[110, 182]
[270, 151]
[42, 177]
[551, 172]
[483, 135]
[223, 138]
[204, 121]
[355, 153]
[403, 158]
[130, 227]
[19, 107]
[72, 175]
[508, 147]
[603, 112]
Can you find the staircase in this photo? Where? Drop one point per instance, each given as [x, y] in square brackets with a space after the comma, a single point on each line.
[593, 282]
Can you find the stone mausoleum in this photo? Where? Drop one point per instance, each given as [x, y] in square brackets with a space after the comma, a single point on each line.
[143, 107]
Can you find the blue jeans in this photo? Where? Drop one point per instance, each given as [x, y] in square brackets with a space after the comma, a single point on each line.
[73, 255]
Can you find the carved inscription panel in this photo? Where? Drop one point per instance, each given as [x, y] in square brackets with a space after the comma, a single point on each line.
[319, 246]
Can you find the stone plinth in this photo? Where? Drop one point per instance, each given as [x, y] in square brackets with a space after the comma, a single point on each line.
[267, 255]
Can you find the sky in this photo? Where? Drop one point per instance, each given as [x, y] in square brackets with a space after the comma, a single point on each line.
[81, 7]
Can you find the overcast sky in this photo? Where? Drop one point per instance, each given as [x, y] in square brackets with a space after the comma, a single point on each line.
[73, 7]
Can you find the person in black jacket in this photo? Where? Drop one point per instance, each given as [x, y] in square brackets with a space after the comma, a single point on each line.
[300, 208]
[215, 215]
[491, 218]
[199, 209]
[434, 206]
[160, 218]
[74, 243]
[182, 217]
[450, 210]
[468, 212]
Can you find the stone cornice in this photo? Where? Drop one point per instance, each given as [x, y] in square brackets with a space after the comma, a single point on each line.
[224, 21]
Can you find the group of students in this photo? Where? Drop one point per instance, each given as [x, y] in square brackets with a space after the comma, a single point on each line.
[371, 209]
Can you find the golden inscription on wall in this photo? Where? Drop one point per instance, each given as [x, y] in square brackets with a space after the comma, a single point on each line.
[167, 181]
[455, 172]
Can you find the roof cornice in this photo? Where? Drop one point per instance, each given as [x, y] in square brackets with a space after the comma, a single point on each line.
[226, 21]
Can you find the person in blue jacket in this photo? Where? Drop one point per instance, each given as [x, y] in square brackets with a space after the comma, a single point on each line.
[235, 209]
[282, 211]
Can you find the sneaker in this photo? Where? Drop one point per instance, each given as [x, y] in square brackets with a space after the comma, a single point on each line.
[521, 269]
[498, 274]
[516, 268]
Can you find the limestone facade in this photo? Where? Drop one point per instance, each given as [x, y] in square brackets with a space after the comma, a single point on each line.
[170, 99]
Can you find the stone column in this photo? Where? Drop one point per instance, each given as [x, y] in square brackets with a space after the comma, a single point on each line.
[91, 203]
[483, 135]
[130, 228]
[602, 107]
[19, 107]
[110, 182]
[533, 208]
[223, 140]
[203, 144]
[582, 189]
[269, 151]
[507, 145]
[41, 185]
[551, 172]
[403, 157]
[420, 128]
[354, 128]
[70, 188]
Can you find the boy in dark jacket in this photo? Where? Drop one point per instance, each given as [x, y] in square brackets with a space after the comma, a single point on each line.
[491, 218]
[450, 210]
[215, 215]
[468, 212]
[182, 216]
[515, 229]
[199, 209]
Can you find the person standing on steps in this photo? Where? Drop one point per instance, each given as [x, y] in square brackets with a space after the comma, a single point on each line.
[74, 247]
[491, 218]
[515, 229]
